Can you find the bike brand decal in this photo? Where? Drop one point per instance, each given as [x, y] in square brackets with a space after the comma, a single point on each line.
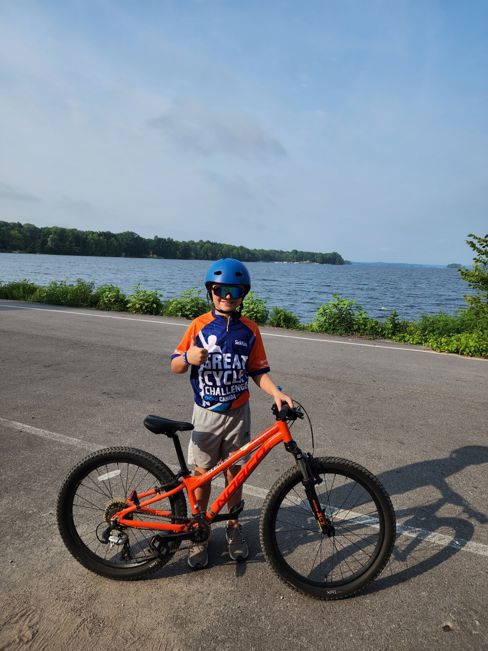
[243, 475]
[216, 466]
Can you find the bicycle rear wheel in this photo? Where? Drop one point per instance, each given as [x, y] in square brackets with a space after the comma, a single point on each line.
[94, 491]
[328, 566]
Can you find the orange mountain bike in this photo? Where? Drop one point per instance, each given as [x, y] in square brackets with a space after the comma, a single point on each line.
[327, 526]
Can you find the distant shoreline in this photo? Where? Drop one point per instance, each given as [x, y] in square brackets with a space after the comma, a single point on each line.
[346, 262]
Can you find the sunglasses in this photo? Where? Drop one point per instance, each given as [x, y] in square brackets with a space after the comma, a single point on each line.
[223, 290]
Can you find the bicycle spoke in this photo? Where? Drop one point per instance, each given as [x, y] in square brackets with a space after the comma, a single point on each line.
[295, 526]
[109, 481]
[92, 505]
[88, 508]
[315, 557]
[341, 507]
[140, 481]
[352, 554]
[345, 561]
[334, 545]
[98, 487]
[300, 500]
[349, 547]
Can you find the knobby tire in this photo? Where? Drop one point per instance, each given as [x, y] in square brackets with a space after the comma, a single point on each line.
[98, 486]
[322, 566]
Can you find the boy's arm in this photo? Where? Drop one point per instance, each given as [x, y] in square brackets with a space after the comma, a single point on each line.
[265, 383]
[194, 356]
[259, 371]
[178, 365]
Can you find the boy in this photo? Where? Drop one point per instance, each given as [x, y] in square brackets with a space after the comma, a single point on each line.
[223, 349]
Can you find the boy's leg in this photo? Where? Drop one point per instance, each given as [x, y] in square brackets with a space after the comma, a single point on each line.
[238, 549]
[237, 497]
[198, 554]
[237, 436]
[202, 493]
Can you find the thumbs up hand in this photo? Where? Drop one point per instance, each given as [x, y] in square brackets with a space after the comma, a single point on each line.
[195, 354]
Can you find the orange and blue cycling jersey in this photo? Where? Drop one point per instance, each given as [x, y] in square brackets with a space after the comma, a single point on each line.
[235, 353]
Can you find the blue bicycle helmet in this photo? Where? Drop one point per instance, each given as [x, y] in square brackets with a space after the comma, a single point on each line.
[228, 271]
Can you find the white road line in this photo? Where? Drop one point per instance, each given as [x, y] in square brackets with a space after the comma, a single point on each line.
[438, 539]
[52, 436]
[443, 541]
[55, 310]
[403, 349]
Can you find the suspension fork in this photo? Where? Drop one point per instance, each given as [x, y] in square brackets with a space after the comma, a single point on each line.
[309, 480]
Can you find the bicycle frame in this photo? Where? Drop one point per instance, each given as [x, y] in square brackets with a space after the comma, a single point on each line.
[260, 446]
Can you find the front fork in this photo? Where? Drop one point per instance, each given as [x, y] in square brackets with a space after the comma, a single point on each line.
[309, 480]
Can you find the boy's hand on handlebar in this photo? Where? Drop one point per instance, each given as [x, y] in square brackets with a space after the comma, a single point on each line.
[196, 355]
[280, 398]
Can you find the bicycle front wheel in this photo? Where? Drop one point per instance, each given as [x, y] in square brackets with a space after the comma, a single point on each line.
[94, 491]
[353, 552]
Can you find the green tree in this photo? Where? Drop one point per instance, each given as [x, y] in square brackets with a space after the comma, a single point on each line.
[63, 241]
[477, 277]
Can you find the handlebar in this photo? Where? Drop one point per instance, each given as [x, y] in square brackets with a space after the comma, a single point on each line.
[286, 412]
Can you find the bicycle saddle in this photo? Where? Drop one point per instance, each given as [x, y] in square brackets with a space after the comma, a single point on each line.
[159, 425]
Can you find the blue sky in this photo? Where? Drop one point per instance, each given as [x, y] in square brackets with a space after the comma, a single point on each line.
[359, 127]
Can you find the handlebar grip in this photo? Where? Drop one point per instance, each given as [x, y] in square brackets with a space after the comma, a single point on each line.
[286, 412]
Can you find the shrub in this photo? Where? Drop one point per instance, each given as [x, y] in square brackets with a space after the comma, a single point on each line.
[465, 332]
[111, 297]
[438, 324]
[341, 316]
[281, 318]
[189, 305]
[393, 325]
[255, 308]
[371, 327]
[473, 344]
[144, 301]
[79, 294]
[18, 290]
[464, 320]
[467, 343]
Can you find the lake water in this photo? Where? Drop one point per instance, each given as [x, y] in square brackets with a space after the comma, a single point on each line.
[379, 288]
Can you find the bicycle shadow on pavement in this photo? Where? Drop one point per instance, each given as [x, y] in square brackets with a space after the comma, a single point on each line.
[419, 547]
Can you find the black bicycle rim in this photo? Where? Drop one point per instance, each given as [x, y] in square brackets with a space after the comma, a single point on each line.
[349, 554]
[99, 493]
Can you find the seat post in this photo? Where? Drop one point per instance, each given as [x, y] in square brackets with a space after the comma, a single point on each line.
[179, 454]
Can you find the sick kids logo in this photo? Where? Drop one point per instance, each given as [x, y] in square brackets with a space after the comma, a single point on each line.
[223, 376]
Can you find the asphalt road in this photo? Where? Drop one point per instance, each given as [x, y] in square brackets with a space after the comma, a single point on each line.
[74, 380]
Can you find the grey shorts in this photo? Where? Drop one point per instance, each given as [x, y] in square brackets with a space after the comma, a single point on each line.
[217, 435]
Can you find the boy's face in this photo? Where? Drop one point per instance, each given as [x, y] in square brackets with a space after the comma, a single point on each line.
[227, 298]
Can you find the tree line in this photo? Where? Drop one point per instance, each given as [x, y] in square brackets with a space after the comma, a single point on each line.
[27, 238]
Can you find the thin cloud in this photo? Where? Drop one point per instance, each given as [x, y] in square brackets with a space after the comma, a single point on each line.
[208, 132]
[78, 205]
[16, 194]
